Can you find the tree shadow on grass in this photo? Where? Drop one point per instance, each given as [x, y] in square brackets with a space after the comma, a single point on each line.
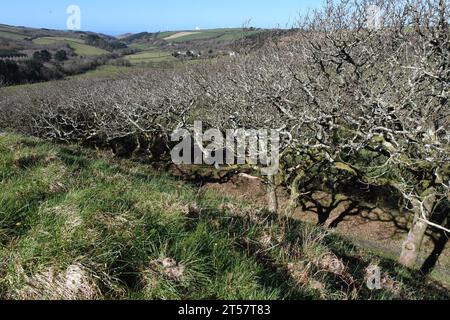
[74, 157]
[397, 282]
[275, 274]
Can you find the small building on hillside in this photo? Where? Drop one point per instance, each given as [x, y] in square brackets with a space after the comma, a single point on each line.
[186, 54]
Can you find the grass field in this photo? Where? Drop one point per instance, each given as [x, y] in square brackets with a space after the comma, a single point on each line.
[142, 46]
[77, 45]
[217, 34]
[181, 35]
[101, 72]
[52, 40]
[80, 224]
[224, 34]
[165, 34]
[11, 35]
[105, 71]
[13, 89]
[152, 56]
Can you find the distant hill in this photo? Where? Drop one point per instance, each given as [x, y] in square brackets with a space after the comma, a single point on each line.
[29, 55]
[83, 43]
[152, 49]
[20, 37]
[17, 33]
[124, 36]
[220, 34]
[211, 41]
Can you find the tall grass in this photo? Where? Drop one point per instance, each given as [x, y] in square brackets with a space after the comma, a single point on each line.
[79, 224]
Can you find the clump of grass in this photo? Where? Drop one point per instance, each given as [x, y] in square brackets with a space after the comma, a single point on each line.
[74, 283]
[79, 224]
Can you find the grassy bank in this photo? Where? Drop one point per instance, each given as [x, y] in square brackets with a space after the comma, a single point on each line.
[79, 224]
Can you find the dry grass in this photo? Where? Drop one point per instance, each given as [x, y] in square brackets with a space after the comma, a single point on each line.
[74, 283]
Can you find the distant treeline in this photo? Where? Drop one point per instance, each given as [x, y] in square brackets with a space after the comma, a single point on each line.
[31, 70]
[109, 45]
[41, 67]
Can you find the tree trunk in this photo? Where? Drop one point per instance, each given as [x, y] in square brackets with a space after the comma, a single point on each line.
[412, 245]
[295, 196]
[292, 205]
[272, 198]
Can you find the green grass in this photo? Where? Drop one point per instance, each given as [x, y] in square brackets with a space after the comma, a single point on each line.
[101, 72]
[153, 56]
[220, 34]
[105, 71]
[52, 40]
[165, 34]
[77, 224]
[216, 34]
[11, 35]
[142, 46]
[77, 45]
[13, 89]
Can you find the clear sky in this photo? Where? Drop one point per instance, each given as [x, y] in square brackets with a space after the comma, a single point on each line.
[117, 17]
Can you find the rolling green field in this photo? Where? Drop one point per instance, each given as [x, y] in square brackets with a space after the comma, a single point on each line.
[142, 46]
[221, 34]
[153, 56]
[52, 40]
[101, 72]
[77, 45]
[13, 89]
[165, 34]
[216, 34]
[105, 71]
[11, 35]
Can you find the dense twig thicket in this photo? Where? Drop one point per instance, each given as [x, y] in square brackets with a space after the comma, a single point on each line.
[352, 102]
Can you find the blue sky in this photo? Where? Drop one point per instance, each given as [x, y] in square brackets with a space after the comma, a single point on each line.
[117, 17]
